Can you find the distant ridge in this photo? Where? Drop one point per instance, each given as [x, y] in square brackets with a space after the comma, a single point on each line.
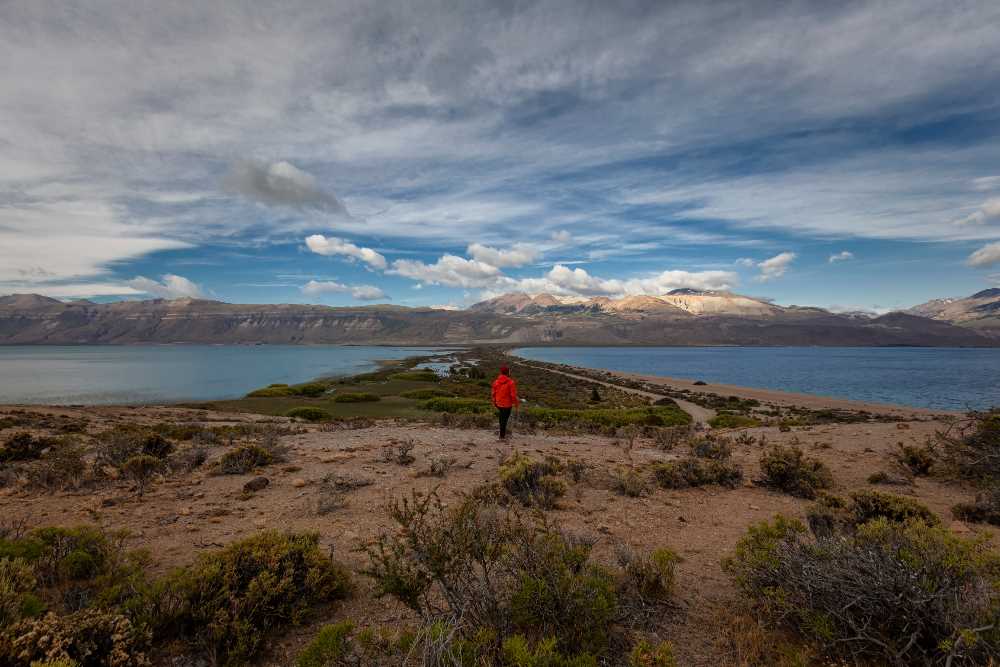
[683, 317]
[980, 312]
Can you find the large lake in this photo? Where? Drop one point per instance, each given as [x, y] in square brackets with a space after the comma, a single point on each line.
[139, 374]
[940, 378]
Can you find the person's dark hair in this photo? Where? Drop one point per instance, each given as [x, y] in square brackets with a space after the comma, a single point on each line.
[504, 370]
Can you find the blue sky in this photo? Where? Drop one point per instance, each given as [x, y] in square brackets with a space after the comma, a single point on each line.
[845, 155]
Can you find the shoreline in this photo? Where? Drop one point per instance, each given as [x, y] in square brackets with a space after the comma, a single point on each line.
[776, 396]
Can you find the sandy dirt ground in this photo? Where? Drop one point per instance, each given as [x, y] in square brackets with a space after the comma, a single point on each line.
[187, 514]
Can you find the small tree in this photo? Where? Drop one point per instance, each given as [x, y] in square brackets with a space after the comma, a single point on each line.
[595, 397]
[140, 469]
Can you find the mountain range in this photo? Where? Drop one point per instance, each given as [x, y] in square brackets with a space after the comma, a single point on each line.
[681, 317]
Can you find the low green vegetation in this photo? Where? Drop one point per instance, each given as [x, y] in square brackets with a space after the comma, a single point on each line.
[694, 472]
[76, 596]
[310, 389]
[310, 414]
[419, 375]
[356, 397]
[733, 420]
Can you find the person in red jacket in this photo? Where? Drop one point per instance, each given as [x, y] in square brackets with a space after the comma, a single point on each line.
[504, 398]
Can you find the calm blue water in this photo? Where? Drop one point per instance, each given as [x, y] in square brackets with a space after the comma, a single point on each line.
[940, 378]
[138, 374]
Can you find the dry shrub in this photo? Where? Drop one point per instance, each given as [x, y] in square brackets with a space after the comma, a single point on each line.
[970, 448]
[693, 472]
[399, 453]
[90, 637]
[788, 469]
[918, 461]
[712, 447]
[333, 490]
[24, 447]
[438, 466]
[243, 459]
[884, 592]
[984, 509]
[63, 467]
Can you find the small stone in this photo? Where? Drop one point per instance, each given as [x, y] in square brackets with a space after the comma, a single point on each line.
[185, 511]
[256, 484]
[298, 483]
[754, 507]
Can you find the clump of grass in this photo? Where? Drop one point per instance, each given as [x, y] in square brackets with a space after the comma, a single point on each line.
[399, 453]
[241, 460]
[668, 437]
[694, 472]
[356, 397]
[628, 482]
[310, 414]
[63, 467]
[788, 469]
[438, 466]
[533, 483]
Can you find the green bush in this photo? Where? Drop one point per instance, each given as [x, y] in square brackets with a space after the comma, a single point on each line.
[534, 483]
[458, 405]
[355, 397]
[243, 459]
[711, 447]
[154, 444]
[832, 514]
[424, 394]
[628, 482]
[63, 467]
[788, 469]
[646, 655]
[693, 471]
[521, 588]
[310, 414]
[311, 390]
[732, 420]
[885, 593]
[17, 591]
[418, 375]
[232, 601]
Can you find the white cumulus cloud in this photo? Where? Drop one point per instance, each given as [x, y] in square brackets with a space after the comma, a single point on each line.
[564, 281]
[331, 245]
[451, 271]
[988, 255]
[359, 292]
[518, 255]
[775, 267]
[171, 287]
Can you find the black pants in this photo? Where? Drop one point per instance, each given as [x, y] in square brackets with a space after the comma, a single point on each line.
[504, 414]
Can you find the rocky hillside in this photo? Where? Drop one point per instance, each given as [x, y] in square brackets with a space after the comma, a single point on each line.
[683, 317]
[980, 312]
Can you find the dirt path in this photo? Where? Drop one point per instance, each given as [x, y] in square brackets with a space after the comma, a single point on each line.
[699, 414]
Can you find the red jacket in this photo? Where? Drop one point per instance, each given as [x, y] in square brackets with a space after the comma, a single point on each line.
[505, 392]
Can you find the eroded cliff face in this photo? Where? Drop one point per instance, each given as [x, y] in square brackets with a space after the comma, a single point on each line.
[29, 319]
